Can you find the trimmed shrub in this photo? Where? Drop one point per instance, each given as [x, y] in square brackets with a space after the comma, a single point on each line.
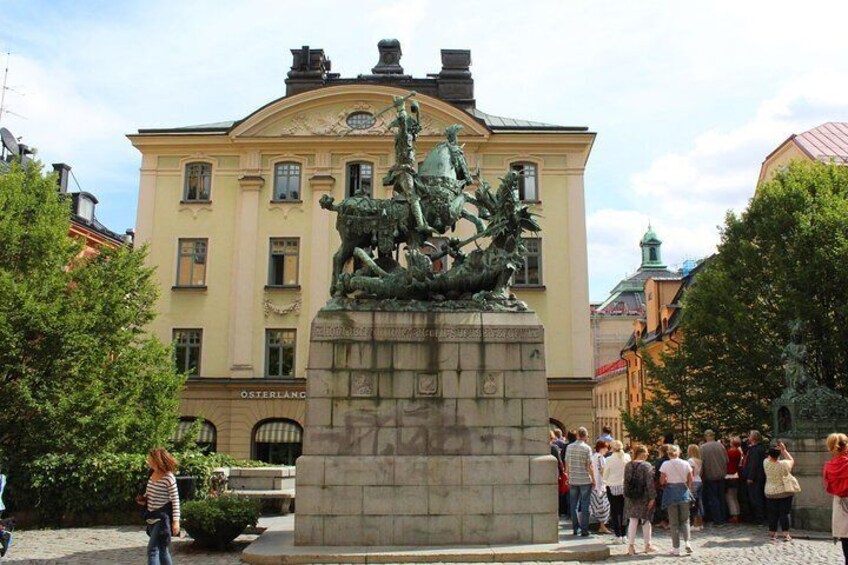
[56, 486]
[216, 521]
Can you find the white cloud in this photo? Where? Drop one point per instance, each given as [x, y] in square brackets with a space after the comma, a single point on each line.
[687, 193]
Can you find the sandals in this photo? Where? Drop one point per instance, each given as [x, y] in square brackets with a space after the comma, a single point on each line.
[631, 549]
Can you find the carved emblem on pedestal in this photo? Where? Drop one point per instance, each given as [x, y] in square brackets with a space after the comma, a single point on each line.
[491, 383]
[363, 385]
[427, 384]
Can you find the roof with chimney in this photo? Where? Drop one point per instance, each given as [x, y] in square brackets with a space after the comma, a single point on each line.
[454, 84]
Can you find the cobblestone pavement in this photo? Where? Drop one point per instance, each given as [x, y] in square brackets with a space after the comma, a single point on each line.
[732, 545]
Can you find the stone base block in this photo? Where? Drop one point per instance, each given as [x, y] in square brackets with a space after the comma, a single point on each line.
[426, 429]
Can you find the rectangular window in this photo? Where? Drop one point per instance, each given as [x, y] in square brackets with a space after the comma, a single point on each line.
[198, 182]
[530, 273]
[360, 179]
[282, 267]
[527, 182]
[279, 353]
[187, 350]
[287, 182]
[191, 263]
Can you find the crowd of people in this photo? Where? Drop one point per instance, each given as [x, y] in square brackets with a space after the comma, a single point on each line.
[715, 481]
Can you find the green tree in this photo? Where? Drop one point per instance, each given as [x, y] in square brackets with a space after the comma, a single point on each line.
[784, 258]
[79, 375]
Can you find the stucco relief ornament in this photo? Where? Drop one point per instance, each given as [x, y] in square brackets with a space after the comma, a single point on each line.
[428, 201]
[330, 122]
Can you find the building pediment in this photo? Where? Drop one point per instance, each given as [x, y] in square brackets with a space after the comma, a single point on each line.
[324, 112]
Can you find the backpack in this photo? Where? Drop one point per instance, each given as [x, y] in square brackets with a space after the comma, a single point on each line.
[633, 487]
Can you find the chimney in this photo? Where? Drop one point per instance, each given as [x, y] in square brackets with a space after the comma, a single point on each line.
[63, 171]
[390, 54]
[309, 70]
[129, 237]
[455, 82]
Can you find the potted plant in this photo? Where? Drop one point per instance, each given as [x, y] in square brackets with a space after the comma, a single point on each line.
[216, 521]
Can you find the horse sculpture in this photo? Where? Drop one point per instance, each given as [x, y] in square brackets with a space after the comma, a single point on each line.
[428, 201]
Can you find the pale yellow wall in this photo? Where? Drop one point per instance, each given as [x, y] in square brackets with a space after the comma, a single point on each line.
[789, 151]
[241, 218]
[609, 398]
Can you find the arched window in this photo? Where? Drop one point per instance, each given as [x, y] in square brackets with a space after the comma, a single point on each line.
[207, 439]
[287, 182]
[360, 179]
[198, 182]
[527, 181]
[652, 253]
[277, 441]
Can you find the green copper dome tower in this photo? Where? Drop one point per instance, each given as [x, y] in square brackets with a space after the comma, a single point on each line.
[650, 244]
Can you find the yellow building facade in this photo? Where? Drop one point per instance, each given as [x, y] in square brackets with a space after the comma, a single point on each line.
[230, 214]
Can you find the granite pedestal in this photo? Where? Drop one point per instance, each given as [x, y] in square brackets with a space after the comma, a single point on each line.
[426, 429]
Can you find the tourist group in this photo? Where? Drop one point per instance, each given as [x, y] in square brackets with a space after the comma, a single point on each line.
[716, 481]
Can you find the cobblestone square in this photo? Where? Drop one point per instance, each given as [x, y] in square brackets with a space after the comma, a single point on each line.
[713, 546]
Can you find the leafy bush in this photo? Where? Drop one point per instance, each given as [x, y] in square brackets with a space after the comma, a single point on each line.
[215, 522]
[59, 485]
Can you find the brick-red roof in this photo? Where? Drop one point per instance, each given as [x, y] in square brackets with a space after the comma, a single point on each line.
[611, 367]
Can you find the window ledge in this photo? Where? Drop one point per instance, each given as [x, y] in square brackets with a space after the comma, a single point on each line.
[536, 202]
[283, 379]
[286, 201]
[195, 202]
[529, 286]
[197, 288]
[282, 287]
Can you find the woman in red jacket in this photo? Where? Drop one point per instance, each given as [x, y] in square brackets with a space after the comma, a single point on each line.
[835, 476]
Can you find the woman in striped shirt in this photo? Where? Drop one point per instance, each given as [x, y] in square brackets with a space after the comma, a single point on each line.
[162, 504]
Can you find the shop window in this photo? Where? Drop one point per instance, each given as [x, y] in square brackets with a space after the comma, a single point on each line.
[527, 181]
[187, 347]
[287, 182]
[198, 182]
[279, 353]
[360, 179]
[278, 442]
[283, 261]
[191, 262]
[207, 438]
[530, 273]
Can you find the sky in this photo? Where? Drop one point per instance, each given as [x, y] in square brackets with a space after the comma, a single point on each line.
[686, 98]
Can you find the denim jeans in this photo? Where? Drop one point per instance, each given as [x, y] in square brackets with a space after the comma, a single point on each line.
[714, 501]
[578, 496]
[699, 499]
[157, 552]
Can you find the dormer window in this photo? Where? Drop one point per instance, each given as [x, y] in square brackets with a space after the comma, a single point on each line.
[85, 208]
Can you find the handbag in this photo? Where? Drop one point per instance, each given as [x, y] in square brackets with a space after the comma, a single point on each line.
[563, 482]
[791, 484]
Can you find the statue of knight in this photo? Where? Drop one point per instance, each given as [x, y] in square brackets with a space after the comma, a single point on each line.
[401, 174]
[795, 361]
